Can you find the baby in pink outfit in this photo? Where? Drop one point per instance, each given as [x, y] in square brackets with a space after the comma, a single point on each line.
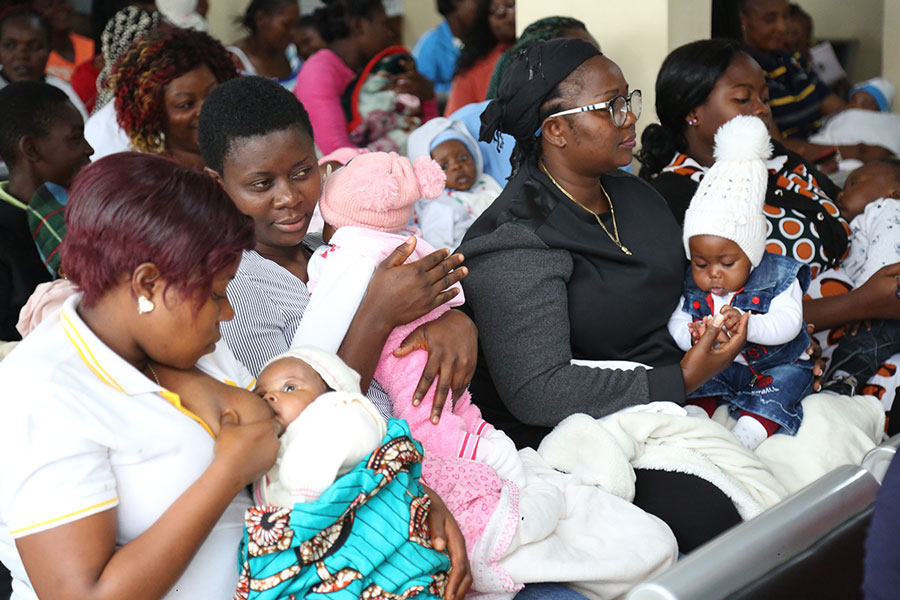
[523, 521]
[369, 202]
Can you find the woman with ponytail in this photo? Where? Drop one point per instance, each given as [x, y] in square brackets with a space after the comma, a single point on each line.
[702, 85]
[355, 31]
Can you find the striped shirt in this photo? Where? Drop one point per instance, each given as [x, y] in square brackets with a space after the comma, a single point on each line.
[795, 93]
[269, 302]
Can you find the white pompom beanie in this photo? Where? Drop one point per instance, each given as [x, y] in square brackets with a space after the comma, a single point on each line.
[337, 375]
[729, 200]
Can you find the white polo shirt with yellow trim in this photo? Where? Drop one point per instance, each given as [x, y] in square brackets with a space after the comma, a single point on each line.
[83, 431]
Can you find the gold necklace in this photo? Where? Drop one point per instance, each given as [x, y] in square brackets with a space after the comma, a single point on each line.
[155, 376]
[612, 211]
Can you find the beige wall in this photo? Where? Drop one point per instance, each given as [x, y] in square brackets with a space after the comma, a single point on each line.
[639, 34]
[891, 45]
[419, 17]
[221, 17]
[856, 19]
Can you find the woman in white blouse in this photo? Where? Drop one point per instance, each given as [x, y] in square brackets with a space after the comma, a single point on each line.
[112, 486]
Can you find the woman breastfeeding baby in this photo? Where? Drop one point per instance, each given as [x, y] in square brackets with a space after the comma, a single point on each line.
[565, 534]
[161, 452]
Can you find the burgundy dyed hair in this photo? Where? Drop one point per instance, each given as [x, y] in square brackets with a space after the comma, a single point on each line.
[131, 208]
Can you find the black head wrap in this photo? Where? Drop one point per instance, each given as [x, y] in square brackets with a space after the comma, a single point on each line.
[533, 74]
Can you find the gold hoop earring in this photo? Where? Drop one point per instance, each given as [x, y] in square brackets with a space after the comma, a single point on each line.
[145, 305]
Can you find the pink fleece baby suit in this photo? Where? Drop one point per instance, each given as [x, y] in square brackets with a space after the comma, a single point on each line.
[522, 520]
[370, 202]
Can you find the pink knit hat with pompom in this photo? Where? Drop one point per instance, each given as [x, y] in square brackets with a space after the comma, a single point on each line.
[377, 190]
[341, 155]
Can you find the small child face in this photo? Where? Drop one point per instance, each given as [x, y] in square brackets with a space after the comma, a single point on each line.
[863, 100]
[457, 162]
[718, 265]
[308, 41]
[799, 34]
[867, 184]
[288, 386]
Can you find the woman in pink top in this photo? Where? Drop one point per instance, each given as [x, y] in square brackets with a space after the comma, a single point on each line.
[355, 31]
[492, 32]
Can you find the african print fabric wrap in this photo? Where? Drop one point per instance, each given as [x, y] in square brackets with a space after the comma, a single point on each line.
[366, 537]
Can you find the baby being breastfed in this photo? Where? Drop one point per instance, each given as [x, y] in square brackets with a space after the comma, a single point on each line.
[326, 425]
[328, 429]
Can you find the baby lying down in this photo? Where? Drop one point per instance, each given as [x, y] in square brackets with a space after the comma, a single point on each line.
[342, 511]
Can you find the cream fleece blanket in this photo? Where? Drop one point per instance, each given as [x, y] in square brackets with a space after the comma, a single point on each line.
[835, 430]
[6, 348]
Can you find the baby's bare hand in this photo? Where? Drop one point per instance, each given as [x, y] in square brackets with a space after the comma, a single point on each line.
[698, 329]
[732, 316]
[692, 329]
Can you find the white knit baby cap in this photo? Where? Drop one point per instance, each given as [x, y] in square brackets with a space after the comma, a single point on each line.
[729, 200]
[337, 375]
[879, 88]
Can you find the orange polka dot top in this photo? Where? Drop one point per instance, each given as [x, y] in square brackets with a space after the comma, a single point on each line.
[803, 222]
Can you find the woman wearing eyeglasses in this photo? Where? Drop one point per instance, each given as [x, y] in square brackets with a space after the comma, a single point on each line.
[492, 33]
[578, 260]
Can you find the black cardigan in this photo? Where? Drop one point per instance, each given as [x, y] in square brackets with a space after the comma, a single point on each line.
[546, 285]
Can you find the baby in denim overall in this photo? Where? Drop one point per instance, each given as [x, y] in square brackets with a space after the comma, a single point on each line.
[730, 274]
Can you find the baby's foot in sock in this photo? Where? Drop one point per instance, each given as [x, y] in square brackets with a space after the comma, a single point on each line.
[749, 432]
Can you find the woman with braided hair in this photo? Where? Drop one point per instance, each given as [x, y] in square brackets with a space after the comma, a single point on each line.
[160, 84]
[121, 31]
[118, 30]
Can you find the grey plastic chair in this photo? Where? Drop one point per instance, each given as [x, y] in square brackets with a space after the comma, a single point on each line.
[808, 546]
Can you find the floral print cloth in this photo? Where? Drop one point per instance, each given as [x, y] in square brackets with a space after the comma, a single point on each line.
[366, 537]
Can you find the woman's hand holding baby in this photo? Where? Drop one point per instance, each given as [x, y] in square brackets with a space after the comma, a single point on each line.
[731, 318]
[706, 359]
[410, 291]
[447, 537]
[246, 451]
[412, 82]
[697, 329]
[451, 341]
[881, 294]
[398, 294]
